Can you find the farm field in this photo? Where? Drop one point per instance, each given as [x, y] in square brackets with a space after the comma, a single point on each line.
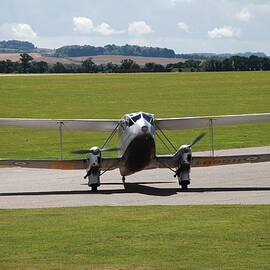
[112, 95]
[97, 59]
[160, 237]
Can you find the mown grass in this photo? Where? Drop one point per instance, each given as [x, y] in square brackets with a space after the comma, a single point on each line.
[110, 96]
[160, 237]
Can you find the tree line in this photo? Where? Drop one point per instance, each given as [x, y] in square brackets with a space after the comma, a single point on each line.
[234, 63]
[129, 50]
[16, 45]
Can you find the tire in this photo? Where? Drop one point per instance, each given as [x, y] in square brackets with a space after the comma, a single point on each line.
[94, 188]
[184, 186]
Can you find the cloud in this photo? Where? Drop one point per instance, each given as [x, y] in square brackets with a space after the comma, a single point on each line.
[106, 30]
[224, 32]
[139, 28]
[20, 31]
[262, 8]
[183, 26]
[175, 2]
[253, 10]
[83, 25]
[244, 15]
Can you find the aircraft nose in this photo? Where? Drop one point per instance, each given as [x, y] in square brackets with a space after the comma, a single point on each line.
[144, 129]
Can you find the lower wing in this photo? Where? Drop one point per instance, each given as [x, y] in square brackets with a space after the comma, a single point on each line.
[206, 161]
[72, 164]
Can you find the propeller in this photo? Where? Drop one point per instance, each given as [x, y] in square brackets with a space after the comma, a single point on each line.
[200, 137]
[94, 150]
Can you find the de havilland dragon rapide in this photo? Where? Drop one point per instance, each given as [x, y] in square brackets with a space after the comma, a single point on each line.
[138, 133]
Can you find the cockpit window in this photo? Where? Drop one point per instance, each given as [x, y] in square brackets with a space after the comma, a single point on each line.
[136, 118]
[148, 118]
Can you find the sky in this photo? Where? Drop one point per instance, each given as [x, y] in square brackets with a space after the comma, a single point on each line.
[187, 26]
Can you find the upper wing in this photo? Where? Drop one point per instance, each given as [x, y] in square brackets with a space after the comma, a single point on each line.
[72, 164]
[203, 122]
[170, 161]
[72, 124]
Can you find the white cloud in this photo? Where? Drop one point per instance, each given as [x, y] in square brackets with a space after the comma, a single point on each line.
[224, 32]
[262, 8]
[20, 31]
[253, 10]
[83, 25]
[139, 28]
[106, 30]
[244, 15]
[183, 26]
[175, 2]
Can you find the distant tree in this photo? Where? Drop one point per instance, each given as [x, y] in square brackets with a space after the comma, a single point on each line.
[17, 45]
[110, 67]
[129, 50]
[128, 65]
[153, 67]
[193, 65]
[255, 62]
[59, 68]
[227, 64]
[25, 61]
[240, 63]
[39, 67]
[89, 66]
[265, 63]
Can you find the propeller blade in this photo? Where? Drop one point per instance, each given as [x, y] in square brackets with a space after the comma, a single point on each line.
[81, 152]
[109, 149]
[200, 137]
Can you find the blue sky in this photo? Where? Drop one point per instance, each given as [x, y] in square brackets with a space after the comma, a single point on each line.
[183, 25]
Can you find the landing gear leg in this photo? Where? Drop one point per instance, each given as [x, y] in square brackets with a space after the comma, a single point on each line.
[123, 179]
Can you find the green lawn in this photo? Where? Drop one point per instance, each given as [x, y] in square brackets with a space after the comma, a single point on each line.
[160, 237]
[110, 96]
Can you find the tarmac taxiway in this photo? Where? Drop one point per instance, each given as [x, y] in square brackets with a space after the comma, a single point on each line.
[233, 184]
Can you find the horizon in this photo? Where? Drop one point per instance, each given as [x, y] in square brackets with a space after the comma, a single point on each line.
[177, 53]
[186, 26]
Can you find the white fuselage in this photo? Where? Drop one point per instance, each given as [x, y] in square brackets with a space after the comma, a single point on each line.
[136, 141]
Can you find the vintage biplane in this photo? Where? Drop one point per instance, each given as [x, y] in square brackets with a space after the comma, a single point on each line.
[137, 145]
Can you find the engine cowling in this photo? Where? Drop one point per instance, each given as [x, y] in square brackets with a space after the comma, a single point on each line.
[93, 170]
[184, 165]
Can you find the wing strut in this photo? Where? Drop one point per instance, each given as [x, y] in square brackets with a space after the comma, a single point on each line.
[166, 138]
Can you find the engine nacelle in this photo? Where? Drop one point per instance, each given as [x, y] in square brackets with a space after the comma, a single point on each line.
[183, 171]
[93, 170]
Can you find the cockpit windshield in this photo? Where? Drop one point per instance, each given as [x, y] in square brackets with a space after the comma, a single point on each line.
[136, 118]
[148, 118]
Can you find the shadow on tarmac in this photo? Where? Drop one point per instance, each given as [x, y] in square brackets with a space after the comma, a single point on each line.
[136, 188]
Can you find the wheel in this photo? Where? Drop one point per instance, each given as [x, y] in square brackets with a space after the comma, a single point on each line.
[94, 188]
[184, 186]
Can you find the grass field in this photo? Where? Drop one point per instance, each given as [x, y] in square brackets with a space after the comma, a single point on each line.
[160, 237]
[110, 96]
[195, 237]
